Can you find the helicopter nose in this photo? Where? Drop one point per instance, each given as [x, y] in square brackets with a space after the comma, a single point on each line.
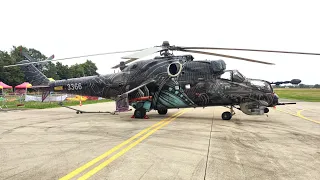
[275, 99]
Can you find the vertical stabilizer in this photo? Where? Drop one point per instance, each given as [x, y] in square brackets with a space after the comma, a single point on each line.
[33, 75]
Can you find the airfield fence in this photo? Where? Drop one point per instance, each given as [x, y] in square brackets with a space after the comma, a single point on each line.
[11, 100]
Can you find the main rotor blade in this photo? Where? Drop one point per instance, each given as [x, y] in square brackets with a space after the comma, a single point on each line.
[227, 56]
[143, 53]
[257, 50]
[138, 55]
[126, 62]
[22, 64]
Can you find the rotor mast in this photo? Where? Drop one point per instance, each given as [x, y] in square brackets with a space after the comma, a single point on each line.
[165, 52]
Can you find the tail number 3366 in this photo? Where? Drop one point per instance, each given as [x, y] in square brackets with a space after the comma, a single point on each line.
[75, 86]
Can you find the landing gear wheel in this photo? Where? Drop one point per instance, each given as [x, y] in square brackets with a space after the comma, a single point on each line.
[226, 115]
[162, 111]
[139, 113]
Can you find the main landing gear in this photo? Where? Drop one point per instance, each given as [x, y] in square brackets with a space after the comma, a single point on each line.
[142, 107]
[228, 115]
[140, 113]
[162, 111]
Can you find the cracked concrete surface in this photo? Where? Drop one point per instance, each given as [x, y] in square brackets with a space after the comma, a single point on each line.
[49, 144]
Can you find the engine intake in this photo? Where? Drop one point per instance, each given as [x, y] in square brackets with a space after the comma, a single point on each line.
[174, 69]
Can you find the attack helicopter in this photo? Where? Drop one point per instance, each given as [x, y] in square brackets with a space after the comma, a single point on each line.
[169, 81]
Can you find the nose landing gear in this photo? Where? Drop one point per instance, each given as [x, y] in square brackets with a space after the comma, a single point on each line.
[228, 115]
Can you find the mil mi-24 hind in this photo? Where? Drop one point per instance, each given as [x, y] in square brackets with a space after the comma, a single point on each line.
[169, 81]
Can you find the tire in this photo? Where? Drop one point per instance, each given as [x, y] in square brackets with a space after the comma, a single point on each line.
[226, 115]
[162, 111]
[139, 113]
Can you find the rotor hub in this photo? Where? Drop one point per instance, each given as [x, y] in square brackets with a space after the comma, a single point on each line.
[166, 48]
[165, 43]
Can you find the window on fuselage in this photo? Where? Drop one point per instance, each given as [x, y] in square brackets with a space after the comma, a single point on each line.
[226, 75]
[237, 77]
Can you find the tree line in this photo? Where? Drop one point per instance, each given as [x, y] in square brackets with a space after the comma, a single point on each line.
[298, 86]
[14, 76]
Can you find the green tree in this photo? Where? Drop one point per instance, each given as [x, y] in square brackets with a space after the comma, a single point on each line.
[90, 68]
[76, 70]
[5, 59]
[63, 71]
[50, 71]
[13, 75]
[85, 69]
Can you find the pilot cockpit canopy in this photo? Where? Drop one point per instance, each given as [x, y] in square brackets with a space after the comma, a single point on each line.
[233, 75]
[237, 76]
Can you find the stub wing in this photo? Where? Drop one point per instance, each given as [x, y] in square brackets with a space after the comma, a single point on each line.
[122, 102]
[125, 95]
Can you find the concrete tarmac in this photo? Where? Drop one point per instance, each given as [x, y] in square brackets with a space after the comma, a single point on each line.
[60, 144]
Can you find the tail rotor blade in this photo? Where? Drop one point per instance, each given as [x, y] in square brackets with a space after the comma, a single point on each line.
[51, 57]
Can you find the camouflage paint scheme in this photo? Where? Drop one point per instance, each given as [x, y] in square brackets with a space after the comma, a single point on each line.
[196, 84]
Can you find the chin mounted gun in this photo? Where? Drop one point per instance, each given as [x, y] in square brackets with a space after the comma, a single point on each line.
[293, 81]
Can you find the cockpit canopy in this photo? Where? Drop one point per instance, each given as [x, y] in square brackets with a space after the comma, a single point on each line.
[261, 85]
[236, 76]
[233, 75]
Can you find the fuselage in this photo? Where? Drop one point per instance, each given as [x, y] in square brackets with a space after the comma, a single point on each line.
[198, 83]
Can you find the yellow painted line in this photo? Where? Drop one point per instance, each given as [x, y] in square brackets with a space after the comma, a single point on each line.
[299, 115]
[286, 112]
[114, 157]
[303, 117]
[99, 158]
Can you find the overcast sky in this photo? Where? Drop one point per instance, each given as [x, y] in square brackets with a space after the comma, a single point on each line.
[73, 27]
